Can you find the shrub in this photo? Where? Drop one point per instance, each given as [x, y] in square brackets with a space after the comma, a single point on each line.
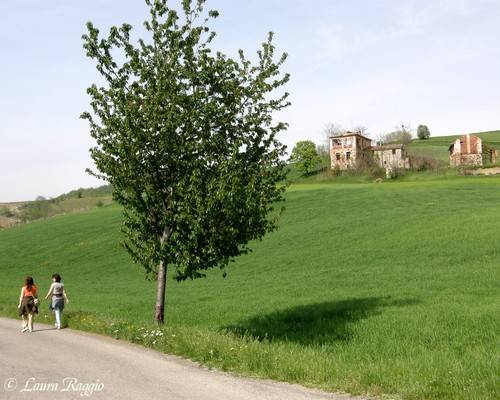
[366, 164]
[34, 210]
[6, 212]
[395, 173]
[377, 172]
[425, 163]
[487, 154]
[465, 170]
[336, 171]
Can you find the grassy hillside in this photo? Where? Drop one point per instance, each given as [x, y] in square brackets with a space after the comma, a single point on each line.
[388, 288]
[74, 201]
[437, 147]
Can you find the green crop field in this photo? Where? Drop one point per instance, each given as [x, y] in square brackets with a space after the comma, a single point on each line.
[437, 147]
[387, 289]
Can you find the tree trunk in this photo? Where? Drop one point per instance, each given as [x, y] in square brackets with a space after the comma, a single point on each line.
[161, 283]
[160, 293]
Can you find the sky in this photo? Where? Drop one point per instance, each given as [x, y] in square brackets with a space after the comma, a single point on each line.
[375, 63]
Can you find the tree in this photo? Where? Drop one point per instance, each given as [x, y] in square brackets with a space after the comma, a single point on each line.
[423, 132]
[305, 155]
[332, 129]
[402, 134]
[187, 140]
[361, 129]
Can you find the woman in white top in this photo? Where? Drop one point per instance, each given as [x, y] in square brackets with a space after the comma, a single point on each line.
[58, 294]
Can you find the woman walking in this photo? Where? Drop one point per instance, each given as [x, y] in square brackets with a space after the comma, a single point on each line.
[28, 303]
[58, 294]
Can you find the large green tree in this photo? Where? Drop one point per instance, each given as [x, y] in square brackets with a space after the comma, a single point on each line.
[305, 156]
[423, 132]
[187, 139]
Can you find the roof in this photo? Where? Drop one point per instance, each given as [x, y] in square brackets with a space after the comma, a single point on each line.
[388, 147]
[350, 134]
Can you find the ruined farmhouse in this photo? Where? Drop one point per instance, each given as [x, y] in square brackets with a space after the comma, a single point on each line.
[469, 150]
[346, 149]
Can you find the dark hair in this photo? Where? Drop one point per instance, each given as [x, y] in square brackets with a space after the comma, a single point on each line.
[57, 277]
[28, 282]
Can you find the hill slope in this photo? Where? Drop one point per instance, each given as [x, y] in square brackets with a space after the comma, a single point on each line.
[437, 147]
[389, 288]
[75, 201]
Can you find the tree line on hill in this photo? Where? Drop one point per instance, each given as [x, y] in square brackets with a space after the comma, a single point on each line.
[42, 208]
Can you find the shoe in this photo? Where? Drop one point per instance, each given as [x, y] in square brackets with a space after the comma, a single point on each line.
[24, 330]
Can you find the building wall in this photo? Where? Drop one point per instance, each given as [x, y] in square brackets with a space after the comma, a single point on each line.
[345, 150]
[466, 159]
[467, 150]
[392, 158]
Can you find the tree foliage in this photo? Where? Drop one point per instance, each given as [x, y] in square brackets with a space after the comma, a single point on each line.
[187, 140]
[305, 156]
[402, 134]
[423, 132]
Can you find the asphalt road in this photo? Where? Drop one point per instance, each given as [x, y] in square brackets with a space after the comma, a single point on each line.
[67, 364]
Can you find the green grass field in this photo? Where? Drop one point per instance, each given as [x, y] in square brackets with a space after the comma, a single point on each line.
[437, 147]
[388, 289]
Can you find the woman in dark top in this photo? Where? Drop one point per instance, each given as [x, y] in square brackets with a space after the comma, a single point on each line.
[28, 302]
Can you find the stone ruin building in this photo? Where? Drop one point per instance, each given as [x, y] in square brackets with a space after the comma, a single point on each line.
[468, 150]
[346, 149]
[391, 156]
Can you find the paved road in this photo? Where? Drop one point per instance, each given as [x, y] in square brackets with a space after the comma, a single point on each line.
[67, 364]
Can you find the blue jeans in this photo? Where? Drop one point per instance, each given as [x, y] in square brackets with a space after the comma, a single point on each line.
[58, 313]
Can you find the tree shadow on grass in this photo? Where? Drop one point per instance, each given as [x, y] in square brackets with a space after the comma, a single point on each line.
[315, 324]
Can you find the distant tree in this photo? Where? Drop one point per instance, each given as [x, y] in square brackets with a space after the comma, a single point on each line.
[187, 139]
[104, 190]
[323, 150]
[402, 134]
[40, 198]
[332, 129]
[423, 132]
[361, 130]
[305, 156]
